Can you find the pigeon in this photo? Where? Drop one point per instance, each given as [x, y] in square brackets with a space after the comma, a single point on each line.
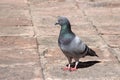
[71, 45]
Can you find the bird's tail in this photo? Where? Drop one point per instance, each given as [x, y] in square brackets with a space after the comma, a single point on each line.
[90, 52]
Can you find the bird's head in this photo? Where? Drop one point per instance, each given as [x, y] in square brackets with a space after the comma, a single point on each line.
[62, 21]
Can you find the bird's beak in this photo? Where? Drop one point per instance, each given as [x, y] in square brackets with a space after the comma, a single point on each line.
[56, 23]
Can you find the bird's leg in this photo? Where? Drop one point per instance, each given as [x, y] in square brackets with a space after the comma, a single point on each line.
[75, 68]
[76, 63]
[68, 67]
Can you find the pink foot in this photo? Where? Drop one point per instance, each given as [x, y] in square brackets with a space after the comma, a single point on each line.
[73, 69]
[66, 68]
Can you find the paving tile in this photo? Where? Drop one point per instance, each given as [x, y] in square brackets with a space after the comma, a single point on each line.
[112, 40]
[115, 11]
[17, 31]
[78, 20]
[55, 59]
[93, 40]
[35, 4]
[16, 42]
[106, 73]
[105, 4]
[83, 29]
[18, 56]
[117, 53]
[101, 16]
[15, 22]
[42, 18]
[98, 12]
[15, 18]
[48, 41]
[56, 7]
[109, 29]
[105, 0]
[13, 6]
[44, 15]
[13, 1]
[21, 72]
[47, 30]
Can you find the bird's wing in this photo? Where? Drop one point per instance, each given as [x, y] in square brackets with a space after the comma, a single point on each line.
[77, 45]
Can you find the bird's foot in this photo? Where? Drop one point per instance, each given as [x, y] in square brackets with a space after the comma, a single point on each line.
[73, 69]
[66, 68]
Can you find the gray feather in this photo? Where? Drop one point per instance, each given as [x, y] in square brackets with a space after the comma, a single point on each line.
[74, 48]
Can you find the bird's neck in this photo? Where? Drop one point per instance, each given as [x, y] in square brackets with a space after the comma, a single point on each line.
[65, 29]
[66, 35]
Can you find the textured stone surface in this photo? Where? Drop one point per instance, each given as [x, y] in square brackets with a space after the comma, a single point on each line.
[112, 40]
[17, 31]
[28, 39]
[109, 29]
[90, 20]
[14, 4]
[49, 41]
[17, 42]
[93, 40]
[100, 16]
[50, 31]
[88, 67]
[19, 56]
[9, 17]
[30, 71]
[117, 51]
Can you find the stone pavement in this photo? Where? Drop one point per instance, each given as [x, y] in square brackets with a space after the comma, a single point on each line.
[28, 39]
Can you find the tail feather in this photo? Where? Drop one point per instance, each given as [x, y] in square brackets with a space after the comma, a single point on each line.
[90, 52]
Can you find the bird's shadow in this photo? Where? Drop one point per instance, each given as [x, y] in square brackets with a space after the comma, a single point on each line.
[84, 64]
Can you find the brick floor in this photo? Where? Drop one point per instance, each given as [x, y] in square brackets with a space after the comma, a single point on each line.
[28, 39]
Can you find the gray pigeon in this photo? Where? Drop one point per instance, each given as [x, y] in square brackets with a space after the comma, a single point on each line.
[71, 45]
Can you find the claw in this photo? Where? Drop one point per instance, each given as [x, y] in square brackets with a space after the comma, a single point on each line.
[73, 69]
[66, 68]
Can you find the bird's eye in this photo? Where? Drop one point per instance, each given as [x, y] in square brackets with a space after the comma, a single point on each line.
[61, 20]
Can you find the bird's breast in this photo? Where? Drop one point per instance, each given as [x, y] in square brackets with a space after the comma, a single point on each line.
[64, 41]
[65, 48]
